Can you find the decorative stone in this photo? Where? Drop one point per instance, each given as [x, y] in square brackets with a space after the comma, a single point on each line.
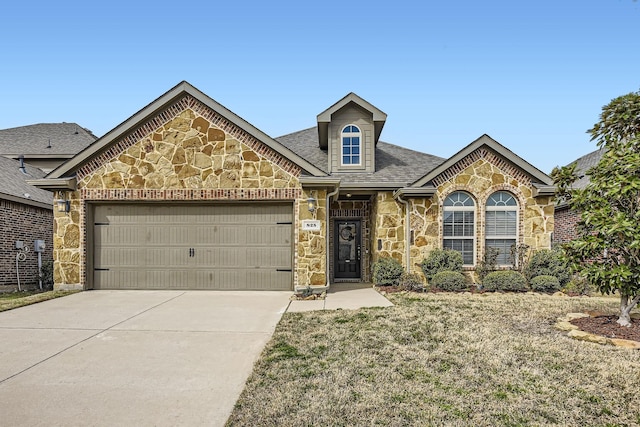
[565, 326]
[585, 336]
[250, 156]
[200, 124]
[634, 345]
[317, 279]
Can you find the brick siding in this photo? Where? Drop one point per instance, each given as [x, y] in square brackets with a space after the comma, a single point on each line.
[566, 221]
[26, 223]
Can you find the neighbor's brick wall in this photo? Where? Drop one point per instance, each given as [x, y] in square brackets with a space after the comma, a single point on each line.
[26, 223]
[566, 221]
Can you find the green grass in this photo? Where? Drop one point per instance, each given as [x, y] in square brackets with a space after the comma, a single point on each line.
[441, 359]
[13, 300]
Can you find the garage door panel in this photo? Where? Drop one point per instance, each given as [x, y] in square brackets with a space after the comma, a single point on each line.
[222, 246]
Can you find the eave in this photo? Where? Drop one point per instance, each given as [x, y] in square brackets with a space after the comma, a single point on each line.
[54, 184]
[24, 201]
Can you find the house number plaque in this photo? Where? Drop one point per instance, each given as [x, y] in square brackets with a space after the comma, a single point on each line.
[311, 225]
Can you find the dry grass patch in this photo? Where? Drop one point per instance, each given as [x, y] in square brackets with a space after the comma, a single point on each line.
[441, 359]
[13, 300]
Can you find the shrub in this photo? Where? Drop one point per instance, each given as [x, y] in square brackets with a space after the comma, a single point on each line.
[545, 283]
[47, 275]
[441, 260]
[519, 256]
[504, 280]
[548, 262]
[411, 282]
[387, 272]
[449, 281]
[488, 263]
[578, 285]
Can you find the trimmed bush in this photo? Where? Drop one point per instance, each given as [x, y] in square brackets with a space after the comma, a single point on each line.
[449, 281]
[411, 282]
[578, 285]
[545, 283]
[387, 272]
[504, 280]
[548, 262]
[441, 260]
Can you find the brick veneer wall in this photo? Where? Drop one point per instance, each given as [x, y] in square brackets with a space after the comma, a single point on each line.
[566, 221]
[26, 223]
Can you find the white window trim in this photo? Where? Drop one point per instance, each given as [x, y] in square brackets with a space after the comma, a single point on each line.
[473, 209]
[359, 134]
[515, 209]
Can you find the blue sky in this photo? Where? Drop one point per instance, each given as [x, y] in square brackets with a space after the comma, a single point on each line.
[533, 75]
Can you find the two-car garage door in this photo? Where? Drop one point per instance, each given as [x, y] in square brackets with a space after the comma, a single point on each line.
[243, 246]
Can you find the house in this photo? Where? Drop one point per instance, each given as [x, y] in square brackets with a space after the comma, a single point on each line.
[566, 220]
[185, 194]
[26, 215]
[44, 145]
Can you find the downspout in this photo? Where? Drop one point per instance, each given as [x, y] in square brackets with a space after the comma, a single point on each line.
[407, 231]
[327, 209]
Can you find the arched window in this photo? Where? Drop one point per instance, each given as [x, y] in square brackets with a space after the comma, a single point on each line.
[501, 225]
[351, 138]
[458, 225]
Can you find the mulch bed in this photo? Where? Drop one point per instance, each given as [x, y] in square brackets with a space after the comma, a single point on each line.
[606, 326]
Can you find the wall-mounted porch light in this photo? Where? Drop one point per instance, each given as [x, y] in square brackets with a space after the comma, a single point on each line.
[312, 203]
[63, 204]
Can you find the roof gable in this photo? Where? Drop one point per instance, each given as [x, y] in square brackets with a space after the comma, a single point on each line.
[159, 111]
[324, 118]
[485, 141]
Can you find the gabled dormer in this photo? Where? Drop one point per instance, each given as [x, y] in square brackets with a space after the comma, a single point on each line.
[349, 130]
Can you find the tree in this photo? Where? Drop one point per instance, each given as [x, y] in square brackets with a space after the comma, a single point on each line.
[607, 251]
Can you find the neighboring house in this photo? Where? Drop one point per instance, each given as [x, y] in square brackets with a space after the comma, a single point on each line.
[26, 216]
[567, 219]
[45, 145]
[187, 195]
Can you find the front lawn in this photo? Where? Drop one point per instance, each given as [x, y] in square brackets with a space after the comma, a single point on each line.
[12, 300]
[442, 359]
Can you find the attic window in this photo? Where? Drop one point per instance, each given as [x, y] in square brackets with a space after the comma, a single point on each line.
[351, 145]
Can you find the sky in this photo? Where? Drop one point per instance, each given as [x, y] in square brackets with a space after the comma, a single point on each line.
[533, 75]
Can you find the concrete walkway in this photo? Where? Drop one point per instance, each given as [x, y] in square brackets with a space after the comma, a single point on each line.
[348, 296]
[132, 358]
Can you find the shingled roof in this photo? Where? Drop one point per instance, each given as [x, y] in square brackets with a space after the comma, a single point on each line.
[394, 165]
[13, 185]
[585, 163]
[64, 139]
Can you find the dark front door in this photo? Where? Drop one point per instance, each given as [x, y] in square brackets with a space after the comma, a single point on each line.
[347, 249]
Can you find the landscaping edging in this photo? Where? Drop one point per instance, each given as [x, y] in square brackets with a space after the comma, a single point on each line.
[563, 324]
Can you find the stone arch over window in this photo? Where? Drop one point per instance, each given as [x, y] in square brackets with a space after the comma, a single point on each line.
[351, 145]
[458, 225]
[501, 224]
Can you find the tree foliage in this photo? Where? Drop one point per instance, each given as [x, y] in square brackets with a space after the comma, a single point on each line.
[607, 251]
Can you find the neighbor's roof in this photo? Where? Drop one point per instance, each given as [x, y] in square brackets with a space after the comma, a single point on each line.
[44, 139]
[13, 185]
[394, 165]
[585, 163]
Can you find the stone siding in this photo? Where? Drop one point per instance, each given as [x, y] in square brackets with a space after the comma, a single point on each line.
[27, 224]
[483, 174]
[388, 225]
[311, 253]
[186, 152]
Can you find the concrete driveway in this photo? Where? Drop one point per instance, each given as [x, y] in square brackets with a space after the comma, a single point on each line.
[124, 358]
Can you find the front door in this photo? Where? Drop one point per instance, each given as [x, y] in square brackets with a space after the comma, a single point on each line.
[347, 249]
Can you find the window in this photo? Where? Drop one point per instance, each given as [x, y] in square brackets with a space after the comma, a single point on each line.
[458, 225]
[501, 225]
[351, 137]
